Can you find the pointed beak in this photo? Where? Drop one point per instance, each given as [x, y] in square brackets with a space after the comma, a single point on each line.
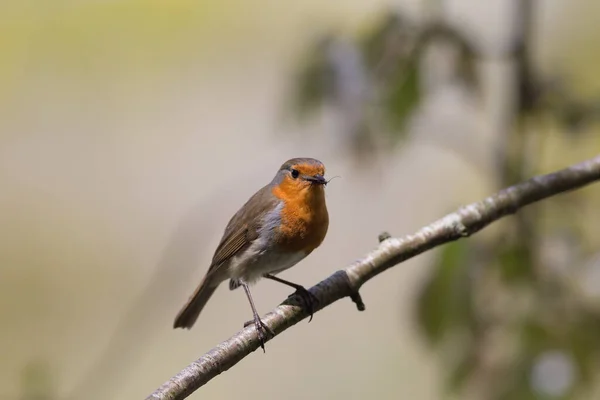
[317, 179]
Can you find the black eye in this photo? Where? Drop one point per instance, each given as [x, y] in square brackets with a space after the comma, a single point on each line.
[295, 173]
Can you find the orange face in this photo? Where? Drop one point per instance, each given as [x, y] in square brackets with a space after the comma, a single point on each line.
[299, 179]
[309, 169]
[307, 175]
[299, 174]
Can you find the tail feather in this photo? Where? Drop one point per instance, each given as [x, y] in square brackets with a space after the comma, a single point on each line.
[190, 312]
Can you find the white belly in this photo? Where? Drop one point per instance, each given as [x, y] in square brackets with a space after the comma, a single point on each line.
[255, 262]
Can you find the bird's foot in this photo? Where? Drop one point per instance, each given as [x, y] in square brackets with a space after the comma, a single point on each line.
[308, 299]
[262, 330]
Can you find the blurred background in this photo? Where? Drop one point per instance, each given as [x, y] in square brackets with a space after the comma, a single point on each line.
[131, 131]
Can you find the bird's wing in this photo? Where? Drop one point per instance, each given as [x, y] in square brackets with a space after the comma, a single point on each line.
[244, 226]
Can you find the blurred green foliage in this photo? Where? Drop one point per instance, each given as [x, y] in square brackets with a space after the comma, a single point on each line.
[444, 303]
[390, 54]
[389, 74]
[315, 81]
[494, 308]
[514, 262]
[402, 96]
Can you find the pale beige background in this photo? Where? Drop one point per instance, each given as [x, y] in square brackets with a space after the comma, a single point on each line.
[130, 131]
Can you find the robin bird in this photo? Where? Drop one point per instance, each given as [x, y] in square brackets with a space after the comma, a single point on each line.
[278, 226]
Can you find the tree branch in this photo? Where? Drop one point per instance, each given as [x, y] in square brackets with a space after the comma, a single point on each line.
[391, 251]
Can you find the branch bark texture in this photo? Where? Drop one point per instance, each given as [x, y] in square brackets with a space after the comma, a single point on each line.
[390, 252]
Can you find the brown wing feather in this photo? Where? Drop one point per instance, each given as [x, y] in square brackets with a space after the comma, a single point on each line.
[243, 227]
[230, 246]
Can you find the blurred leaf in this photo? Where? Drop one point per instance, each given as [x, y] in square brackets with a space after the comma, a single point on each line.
[388, 40]
[576, 335]
[444, 302]
[576, 115]
[584, 345]
[467, 53]
[388, 50]
[515, 262]
[514, 382]
[314, 82]
[402, 96]
[535, 337]
[467, 63]
[462, 370]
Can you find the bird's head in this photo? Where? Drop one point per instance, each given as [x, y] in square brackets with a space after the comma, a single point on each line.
[301, 175]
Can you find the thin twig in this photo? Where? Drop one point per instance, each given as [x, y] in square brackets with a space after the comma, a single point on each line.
[391, 251]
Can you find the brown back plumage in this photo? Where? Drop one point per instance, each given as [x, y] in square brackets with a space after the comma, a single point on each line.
[240, 232]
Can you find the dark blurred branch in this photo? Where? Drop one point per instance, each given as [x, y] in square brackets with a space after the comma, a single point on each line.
[391, 251]
[518, 161]
[526, 82]
[510, 151]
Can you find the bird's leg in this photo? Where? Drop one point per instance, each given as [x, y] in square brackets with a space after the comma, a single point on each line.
[307, 297]
[261, 328]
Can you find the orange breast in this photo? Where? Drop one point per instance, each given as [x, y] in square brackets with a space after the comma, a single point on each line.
[304, 217]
